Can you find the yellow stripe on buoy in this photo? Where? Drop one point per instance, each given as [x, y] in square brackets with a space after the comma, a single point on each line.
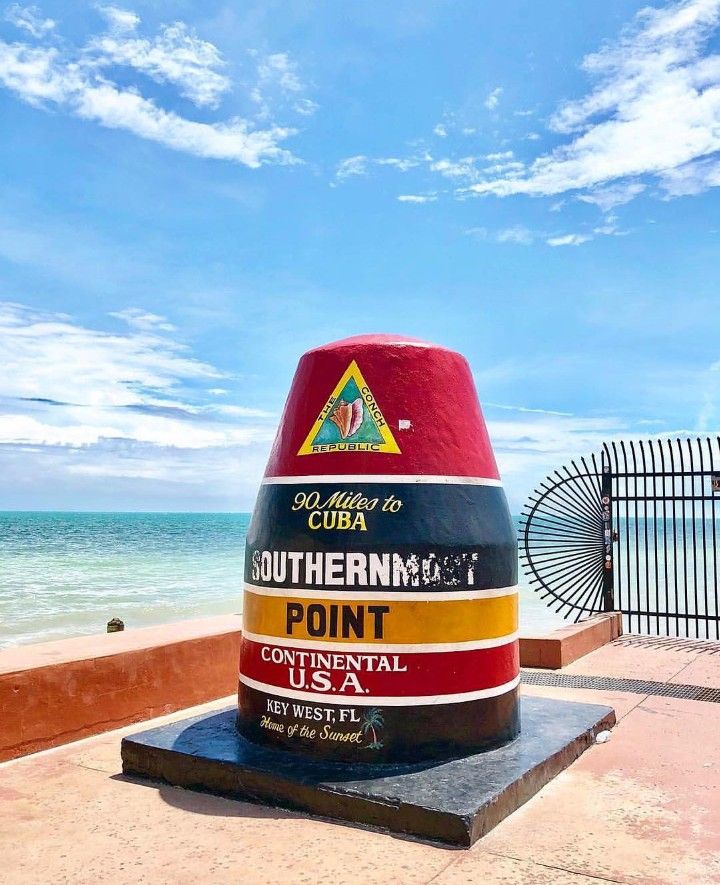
[379, 620]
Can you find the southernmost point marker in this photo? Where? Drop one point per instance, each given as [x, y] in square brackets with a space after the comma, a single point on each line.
[379, 666]
[380, 617]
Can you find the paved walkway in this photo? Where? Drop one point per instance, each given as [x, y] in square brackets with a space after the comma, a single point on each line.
[642, 808]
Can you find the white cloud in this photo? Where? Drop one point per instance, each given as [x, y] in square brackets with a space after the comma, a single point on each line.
[49, 356]
[654, 109]
[417, 198]
[440, 130]
[126, 475]
[510, 408]
[120, 19]
[88, 415]
[609, 227]
[532, 439]
[175, 55]
[240, 412]
[462, 168]
[306, 107]
[142, 319]
[553, 435]
[232, 140]
[607, 198]
[351, 167]
[30, 19]
[401, 163]
[568, 240]
[468, 167]
[360, 165]
[71, 386]
[530, 447]
[692, 178]
[493, 99]
[652, 115]
[509, 167]
[279, 69]
[519, 234]
[77, 82]
[278, 82]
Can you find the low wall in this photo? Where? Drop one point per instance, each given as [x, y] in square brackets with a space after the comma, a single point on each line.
[57, 692]
[566, 644]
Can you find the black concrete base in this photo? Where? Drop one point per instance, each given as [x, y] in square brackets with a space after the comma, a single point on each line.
[455, 802]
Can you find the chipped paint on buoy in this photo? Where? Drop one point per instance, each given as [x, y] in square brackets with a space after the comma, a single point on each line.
[380, 617]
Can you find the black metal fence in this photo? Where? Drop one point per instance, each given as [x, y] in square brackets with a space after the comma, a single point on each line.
[634, 529]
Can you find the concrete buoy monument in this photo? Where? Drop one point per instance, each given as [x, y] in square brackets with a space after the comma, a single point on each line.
[380, 614]
[379, 663]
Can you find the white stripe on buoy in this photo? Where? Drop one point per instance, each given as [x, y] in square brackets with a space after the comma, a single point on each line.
[377, 594]
[405, 478]
[381, 647]
[366, 701]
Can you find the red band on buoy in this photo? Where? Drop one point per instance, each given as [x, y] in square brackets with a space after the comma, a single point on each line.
[421, 397]
[378, 673]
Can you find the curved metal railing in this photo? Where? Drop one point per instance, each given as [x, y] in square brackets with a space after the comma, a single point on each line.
[635, 528]
[561, 535]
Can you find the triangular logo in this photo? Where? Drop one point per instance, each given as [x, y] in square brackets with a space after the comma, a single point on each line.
[350, 421]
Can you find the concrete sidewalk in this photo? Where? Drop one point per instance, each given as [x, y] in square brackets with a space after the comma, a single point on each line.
[643, 807]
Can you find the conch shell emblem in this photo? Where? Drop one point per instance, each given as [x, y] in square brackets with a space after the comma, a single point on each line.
[348, 417]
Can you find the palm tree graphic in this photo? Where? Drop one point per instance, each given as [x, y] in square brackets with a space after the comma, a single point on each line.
[371, 720]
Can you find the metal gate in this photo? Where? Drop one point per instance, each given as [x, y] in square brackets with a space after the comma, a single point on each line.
[634, 529]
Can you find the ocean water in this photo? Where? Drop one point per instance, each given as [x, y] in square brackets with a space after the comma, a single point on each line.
[67, 574]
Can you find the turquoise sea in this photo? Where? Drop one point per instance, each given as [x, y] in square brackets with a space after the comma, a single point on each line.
[67, 574]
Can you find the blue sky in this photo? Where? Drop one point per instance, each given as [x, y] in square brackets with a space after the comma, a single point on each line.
[194, 194]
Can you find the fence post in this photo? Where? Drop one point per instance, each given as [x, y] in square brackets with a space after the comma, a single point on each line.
[608, 593]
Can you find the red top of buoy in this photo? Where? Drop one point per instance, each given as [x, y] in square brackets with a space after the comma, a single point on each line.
[382, 404]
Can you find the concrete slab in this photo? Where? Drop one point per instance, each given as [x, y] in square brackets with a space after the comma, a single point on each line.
[702, 669]
[484, 866]
[621, 702]
[644, 807]
[61, 821]
[633, 658]
[454, 802]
